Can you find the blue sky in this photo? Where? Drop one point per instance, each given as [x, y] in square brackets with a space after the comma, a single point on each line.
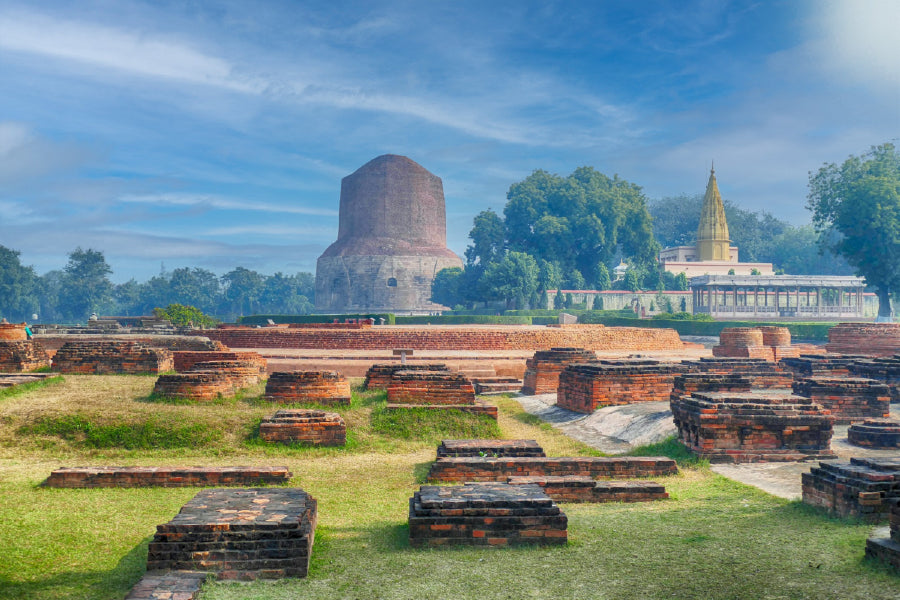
[215, 134]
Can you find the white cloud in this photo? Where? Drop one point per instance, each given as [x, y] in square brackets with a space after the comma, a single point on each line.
[272, 230]
[217, 202]
[24, 154]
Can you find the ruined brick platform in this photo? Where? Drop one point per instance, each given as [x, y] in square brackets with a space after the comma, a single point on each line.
[870, 339]
[584, 489]
[111, 357]
[848, 399]
[8, 380]
[752, 427]
[12, 332]
[484, 514]
[22, 356]
[327, 388]
[882, 434]
[476, 468]
[168, 585]
[208, 380]
[379, 375]
[239, 534]
[543, 369]
[742, 342]
[495, 448]
[186, 360]
[760, 372]
[820, 365]
[478, 408]
[430, 387]
[685, 385]
[128, 477]
[885, 369]
[863, 488]
[887, 548]
[586, 387]
[313, 427]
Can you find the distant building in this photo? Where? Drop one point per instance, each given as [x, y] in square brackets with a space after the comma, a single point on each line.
[713, 253]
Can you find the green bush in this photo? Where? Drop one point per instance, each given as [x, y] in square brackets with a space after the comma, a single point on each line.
[181, 315]
[464, 320]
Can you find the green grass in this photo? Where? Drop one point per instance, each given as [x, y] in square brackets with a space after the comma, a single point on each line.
[149, 434]
[431, 426]
[672, 448]
[714, 538]
[24, 388]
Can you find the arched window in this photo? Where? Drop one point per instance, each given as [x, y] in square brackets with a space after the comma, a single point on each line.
[392, 282]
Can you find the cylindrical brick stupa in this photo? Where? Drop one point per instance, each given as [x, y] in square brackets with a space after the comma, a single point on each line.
[392, 241]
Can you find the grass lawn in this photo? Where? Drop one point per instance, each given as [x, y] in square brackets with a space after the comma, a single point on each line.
[713, 539]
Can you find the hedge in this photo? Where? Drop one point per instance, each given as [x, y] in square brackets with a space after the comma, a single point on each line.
[799, 331]
[464, 320]
[282, 319]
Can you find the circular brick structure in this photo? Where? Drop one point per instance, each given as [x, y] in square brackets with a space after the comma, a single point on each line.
[327, 388]
[392, 240]
[875, 433]
[11, 332]
[777, 337]
[741, 337]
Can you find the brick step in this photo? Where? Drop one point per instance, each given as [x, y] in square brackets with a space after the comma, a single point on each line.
[496, 448]
[98, 477]
[478, 373]
[176, 585]
[498, 387]
[585, 489]
[500, 469]
[884, 549]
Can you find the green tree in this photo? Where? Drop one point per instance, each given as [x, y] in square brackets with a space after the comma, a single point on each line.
[128, 298]
[195, 288]
[558, 300]
[282, 294]
[447, 287]
[48, 287]
[86, 287]
[516, 276]
[243, 288]
[488, 240]
[184, 316]
[860, 200]
[602, 280]
[632, 280]
[18, 293]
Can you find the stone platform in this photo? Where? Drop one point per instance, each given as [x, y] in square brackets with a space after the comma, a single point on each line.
[886, 548]
[168, 585]
[588, 386]
[584, 489]
[863, 488]
[875, 433]
[474, 468]
[311, 427]
[239, 534]
[495, 448]
[849, 399]
[105, 477]
[327, 388]
[485, 514]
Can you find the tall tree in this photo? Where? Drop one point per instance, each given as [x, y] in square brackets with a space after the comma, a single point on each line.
[86, 287]
[514, 279]
[447, 287]
[242, 290]
[281, 294]
[18, 298]
[193, 287]
[860, 200]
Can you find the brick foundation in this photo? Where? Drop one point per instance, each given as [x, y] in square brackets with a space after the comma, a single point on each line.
[871, 339]
[168, 585]
[379, 375]
[752, 427]
[848, 399]
[111, 357]
[185, 360]
[884, 369]
[495, 514]
[887, 548]
[327, 388]
[760, 372]
[822, 365]
[586, 387]
[312, 427]
[12, 332]
[864, 488]
[685, 385]
[500, 469]
[585, 489]
[495, 448]
[208, 380]
[479, 408]
[430, 387]
[239, 534]
[543, 369]
[128, 477]
[883, 434]
[22, 356]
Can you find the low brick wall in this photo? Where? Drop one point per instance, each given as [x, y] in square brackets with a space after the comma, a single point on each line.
[495, 448]
[312, 427]
[379, 375]
[174, 585]
[500, 469]
[22, 356]
[875, 433]
[585, 489]
[543, 369]
[479, 408]
[185, 360]
[834, 365]
[496, 514]
[762, 373]
[775, 337]
[864, 488]
[509, 337]
[752, 427]
[327, 388]
[430, 387]
[12, 332]
[208, 380]
[239, 534]
[683, 386]
[766, 342]
[871, 339]
[887, 548]
[848, 399]
[586, 387]
[104, 477]
[111, 357]
[884, 369]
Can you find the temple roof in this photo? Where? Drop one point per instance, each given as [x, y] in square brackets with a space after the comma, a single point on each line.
[713, 225]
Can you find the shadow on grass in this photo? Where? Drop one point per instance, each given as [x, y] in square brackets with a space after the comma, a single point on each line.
[421, 470]
[671, 448]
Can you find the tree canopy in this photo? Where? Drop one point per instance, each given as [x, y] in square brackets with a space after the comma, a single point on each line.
[859, 200]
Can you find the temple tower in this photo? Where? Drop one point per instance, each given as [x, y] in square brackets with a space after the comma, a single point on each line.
[392, 241]
[712, 234]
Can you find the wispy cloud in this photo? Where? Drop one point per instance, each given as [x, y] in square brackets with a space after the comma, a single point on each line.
[220, 203]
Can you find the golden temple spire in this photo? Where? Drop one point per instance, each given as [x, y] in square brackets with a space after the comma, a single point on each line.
[712, 234]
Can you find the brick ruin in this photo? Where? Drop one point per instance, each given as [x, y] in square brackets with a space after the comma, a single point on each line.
[309, 427]
[8, 380]
[208, 380]
[887, 548]
[326, 388]
[760, 372]
[493, 514]
[239, 534]
[742, 342]
[883, 434]
[185, 360]
[495, 448]
[22, 356]
[430, 387]
[543, 369]
[130, 477]
[863, 488]
[12, 332]
[586, 387]
[848, 399]
[475, 468]
[752, 426]
[870, 339]
[379, 375]
[584, 489]
[835, 365]
[885, 369]
[111, 357]
[174, 585]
